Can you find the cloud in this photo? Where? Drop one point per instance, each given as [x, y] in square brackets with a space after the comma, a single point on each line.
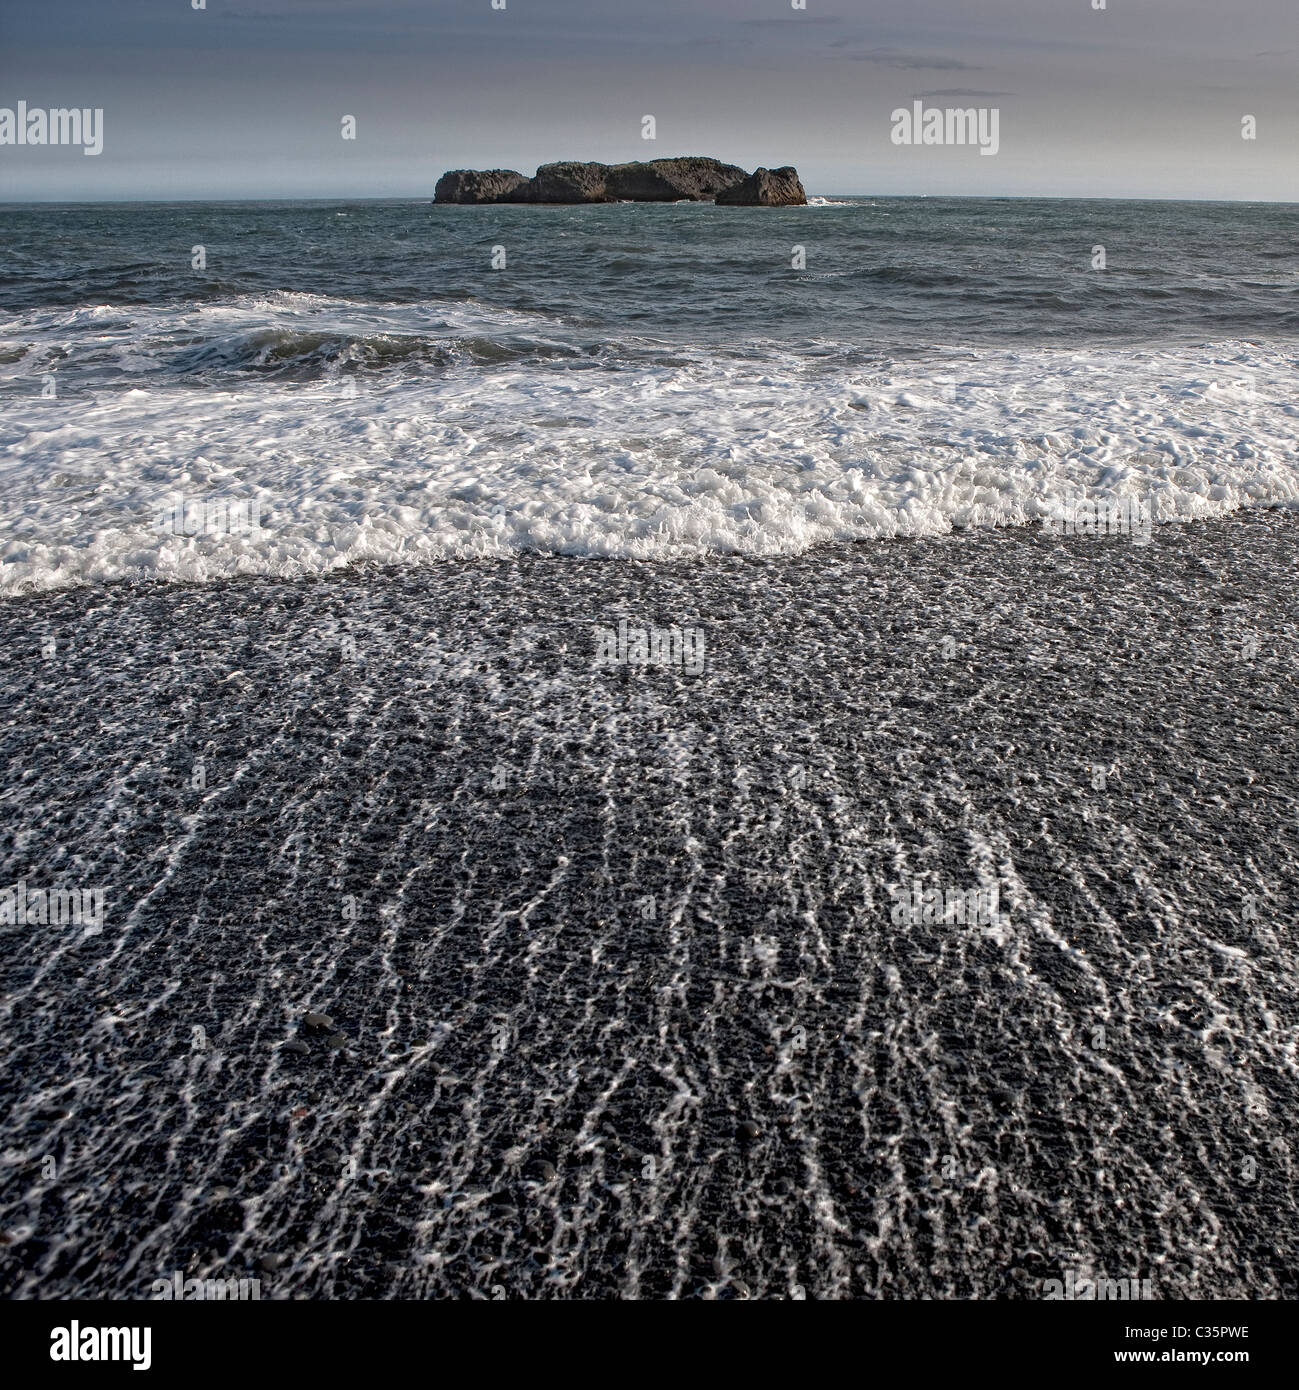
[909, 62]
[959, 92]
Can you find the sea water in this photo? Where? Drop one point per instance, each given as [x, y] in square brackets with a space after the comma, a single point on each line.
[406, 382]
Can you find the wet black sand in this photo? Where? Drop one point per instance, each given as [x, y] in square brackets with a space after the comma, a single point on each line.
[423, 813]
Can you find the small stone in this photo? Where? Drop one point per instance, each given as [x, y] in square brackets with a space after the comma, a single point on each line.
[747, 1131]
[336, 1041]
[270, 1263]
[296, 1045]
[543, 1170]
[319, 1022]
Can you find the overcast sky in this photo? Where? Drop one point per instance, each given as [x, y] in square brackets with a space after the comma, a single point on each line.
[245, 98]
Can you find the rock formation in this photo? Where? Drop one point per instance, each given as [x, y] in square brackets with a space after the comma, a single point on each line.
[570, 182]
[767, 188]
[481, 186]
[693, 178]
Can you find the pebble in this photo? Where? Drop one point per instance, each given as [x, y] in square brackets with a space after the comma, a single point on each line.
[294, 1045]
[319, 1021]
[747, 1131]
[270, 1263]
[335, 1041]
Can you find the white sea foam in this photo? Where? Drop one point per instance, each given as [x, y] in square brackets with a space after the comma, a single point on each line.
[645, 453]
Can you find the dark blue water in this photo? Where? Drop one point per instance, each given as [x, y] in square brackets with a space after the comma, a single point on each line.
[880, 273]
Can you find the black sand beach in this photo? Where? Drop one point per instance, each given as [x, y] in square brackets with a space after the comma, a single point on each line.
[617, 1005]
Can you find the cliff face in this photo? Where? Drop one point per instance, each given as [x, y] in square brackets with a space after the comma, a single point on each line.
[767, 188]
[693, 178]
[570, 182]
[670, 180]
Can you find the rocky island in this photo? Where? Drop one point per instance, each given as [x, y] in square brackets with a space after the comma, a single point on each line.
[692, 178]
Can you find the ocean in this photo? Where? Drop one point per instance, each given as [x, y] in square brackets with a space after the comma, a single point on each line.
[636, 381]
[588, 779]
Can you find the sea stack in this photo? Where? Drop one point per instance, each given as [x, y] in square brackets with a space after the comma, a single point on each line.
[570, 182]
[766, 188]
[481, 186]
[689, 178]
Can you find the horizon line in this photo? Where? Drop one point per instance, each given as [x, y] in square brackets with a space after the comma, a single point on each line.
[428, 198]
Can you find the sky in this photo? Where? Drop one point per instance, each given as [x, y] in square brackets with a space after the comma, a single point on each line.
[247, 98]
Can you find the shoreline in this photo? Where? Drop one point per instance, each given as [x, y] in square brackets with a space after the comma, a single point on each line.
[1030, 531]
[618, 1005]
